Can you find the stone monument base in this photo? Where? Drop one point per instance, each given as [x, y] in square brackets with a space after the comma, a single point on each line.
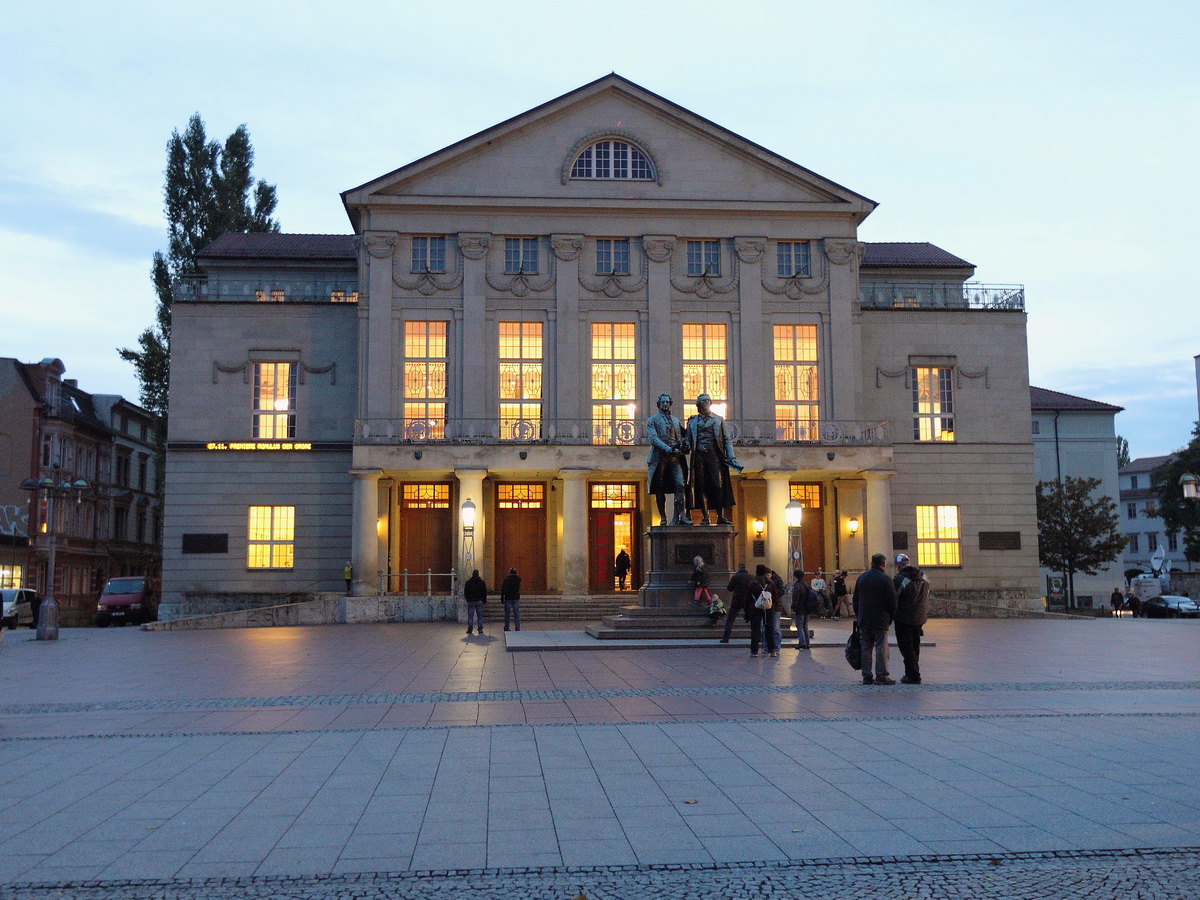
[672, 548]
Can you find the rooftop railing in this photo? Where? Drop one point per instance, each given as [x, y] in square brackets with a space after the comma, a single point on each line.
[941, 295]
[286, 290]
[612, 433]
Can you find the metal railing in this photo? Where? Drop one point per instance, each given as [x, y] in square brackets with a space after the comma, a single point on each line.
[624, 433]
[417, 580]
[277, 290]
[941, 295]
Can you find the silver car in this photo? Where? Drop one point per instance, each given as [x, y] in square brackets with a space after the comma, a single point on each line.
[20, 607]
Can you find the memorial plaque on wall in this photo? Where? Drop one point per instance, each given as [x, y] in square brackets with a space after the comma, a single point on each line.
[999, 540]
[685, 553]
[206, 543]
[900, 540]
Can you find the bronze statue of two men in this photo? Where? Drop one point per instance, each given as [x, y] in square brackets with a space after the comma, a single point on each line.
[691, 461]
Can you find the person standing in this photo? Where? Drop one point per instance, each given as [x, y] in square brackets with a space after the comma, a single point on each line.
[510, 595]
[475, 593]
[699, 583]
[912, 612]
[348, 574]
[1116, 600]
[1135, 604]
[739, 598]
[875, 596]
[775, 614]
[622, 567]
[800, 595]
[841, 597]
[760, 587]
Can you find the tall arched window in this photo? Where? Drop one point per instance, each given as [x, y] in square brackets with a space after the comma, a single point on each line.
[613, 159]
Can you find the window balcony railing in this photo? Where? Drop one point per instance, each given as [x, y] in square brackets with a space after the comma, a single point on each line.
[941, 295]
[286, 290]
[607, 432]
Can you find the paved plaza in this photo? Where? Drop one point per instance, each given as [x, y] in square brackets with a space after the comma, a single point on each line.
[1039, 759]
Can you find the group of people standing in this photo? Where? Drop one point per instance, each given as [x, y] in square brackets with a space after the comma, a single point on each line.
[475, 592]
[879, 602]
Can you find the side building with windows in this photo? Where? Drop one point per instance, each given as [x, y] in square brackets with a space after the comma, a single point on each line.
[1074, 437]
[498, 328]
[1144, 530]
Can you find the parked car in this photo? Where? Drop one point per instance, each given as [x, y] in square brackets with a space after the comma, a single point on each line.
[20, 607]
[1170, 606]
[129, 599]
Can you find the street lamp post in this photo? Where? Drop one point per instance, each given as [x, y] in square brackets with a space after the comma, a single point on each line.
[47, 629]
[794, 512]
[468, 529]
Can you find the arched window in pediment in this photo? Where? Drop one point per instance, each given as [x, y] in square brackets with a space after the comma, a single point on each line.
[613, 158]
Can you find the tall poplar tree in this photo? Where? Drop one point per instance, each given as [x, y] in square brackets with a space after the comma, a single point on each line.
[1076, 531]
[1179, 514]
[209, 190]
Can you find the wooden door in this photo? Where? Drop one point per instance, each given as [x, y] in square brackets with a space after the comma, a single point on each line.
[521, 544]
[602, 551]
[424, 537]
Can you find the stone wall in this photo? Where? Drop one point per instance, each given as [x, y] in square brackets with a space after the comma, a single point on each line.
[324, 609]
[984, 604]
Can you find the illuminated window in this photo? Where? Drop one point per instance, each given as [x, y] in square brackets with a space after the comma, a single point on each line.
[933, 404]
[520, 381]
[704, 257]
[274, 414]
[343, 297]
[614, 496]
[425, 354]
[272, 534]
[612, 159]
[613, 380]
[792, 259]
[429, 253]
[425, 496]
[520, 496]
[521, 255]
[905, 302]
[938, 536]
[612, 256]
[809, 495]
[797, 403]
[268, 296]
[704, 364]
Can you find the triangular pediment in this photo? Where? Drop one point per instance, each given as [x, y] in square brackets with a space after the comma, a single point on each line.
[528, 158]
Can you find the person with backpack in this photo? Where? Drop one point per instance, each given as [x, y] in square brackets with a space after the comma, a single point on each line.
[805, 603]
[759, 610]
[912, 612]
[739, 598]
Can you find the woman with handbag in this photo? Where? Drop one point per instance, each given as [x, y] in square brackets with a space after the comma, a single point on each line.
[762, 613]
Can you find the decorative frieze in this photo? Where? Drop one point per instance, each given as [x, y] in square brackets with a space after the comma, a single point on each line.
[380, 244]
[567, 247]
[474, 245]
[658, 248]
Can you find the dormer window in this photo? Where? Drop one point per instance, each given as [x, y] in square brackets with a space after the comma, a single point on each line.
[613, 159]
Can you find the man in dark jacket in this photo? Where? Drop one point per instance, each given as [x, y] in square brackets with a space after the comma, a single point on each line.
[739, 598]
[475, 593]
[510, 594]
[912, 612]
[875, 597]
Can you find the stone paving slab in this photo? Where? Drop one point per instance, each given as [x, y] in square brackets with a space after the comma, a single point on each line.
[371, 760]
[526, 641]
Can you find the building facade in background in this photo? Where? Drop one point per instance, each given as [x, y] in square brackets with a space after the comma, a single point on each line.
[1076, 438]
[498, 327]
[53, 428]
[1144, 530]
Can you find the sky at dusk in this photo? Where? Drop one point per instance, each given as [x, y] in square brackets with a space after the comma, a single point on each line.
[1052, 144]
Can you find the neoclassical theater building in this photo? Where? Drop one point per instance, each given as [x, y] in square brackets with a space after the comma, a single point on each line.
[498, 327]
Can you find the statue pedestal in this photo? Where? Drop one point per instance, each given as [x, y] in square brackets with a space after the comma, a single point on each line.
[672, 548]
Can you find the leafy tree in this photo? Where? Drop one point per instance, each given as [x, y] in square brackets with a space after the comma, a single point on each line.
[1122, 452]
[209, 190]
[1177, 513]
[1076, 531]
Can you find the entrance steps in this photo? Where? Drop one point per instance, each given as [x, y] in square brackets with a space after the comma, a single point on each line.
[665, 622]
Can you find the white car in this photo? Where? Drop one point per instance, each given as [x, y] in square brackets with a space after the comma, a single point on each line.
[20, 607]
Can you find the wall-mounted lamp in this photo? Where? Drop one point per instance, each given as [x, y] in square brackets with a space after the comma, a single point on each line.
[759, 527]
[853, 525]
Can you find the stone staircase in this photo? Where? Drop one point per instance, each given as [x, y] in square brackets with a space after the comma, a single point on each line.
[556, 608]
[664, 622]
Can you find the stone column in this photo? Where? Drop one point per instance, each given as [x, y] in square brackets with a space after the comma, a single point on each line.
[877, 529]
[475, 349]
[364, 540]
[778, 494]
[574, 554]
[470, 487]
[845, 372]
[662, 368]
[375, 366]
[852, 553]
[754, 388]
[570, 336]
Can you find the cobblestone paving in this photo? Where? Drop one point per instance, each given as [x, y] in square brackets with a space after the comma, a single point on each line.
[580, 694]
[1161, 875]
